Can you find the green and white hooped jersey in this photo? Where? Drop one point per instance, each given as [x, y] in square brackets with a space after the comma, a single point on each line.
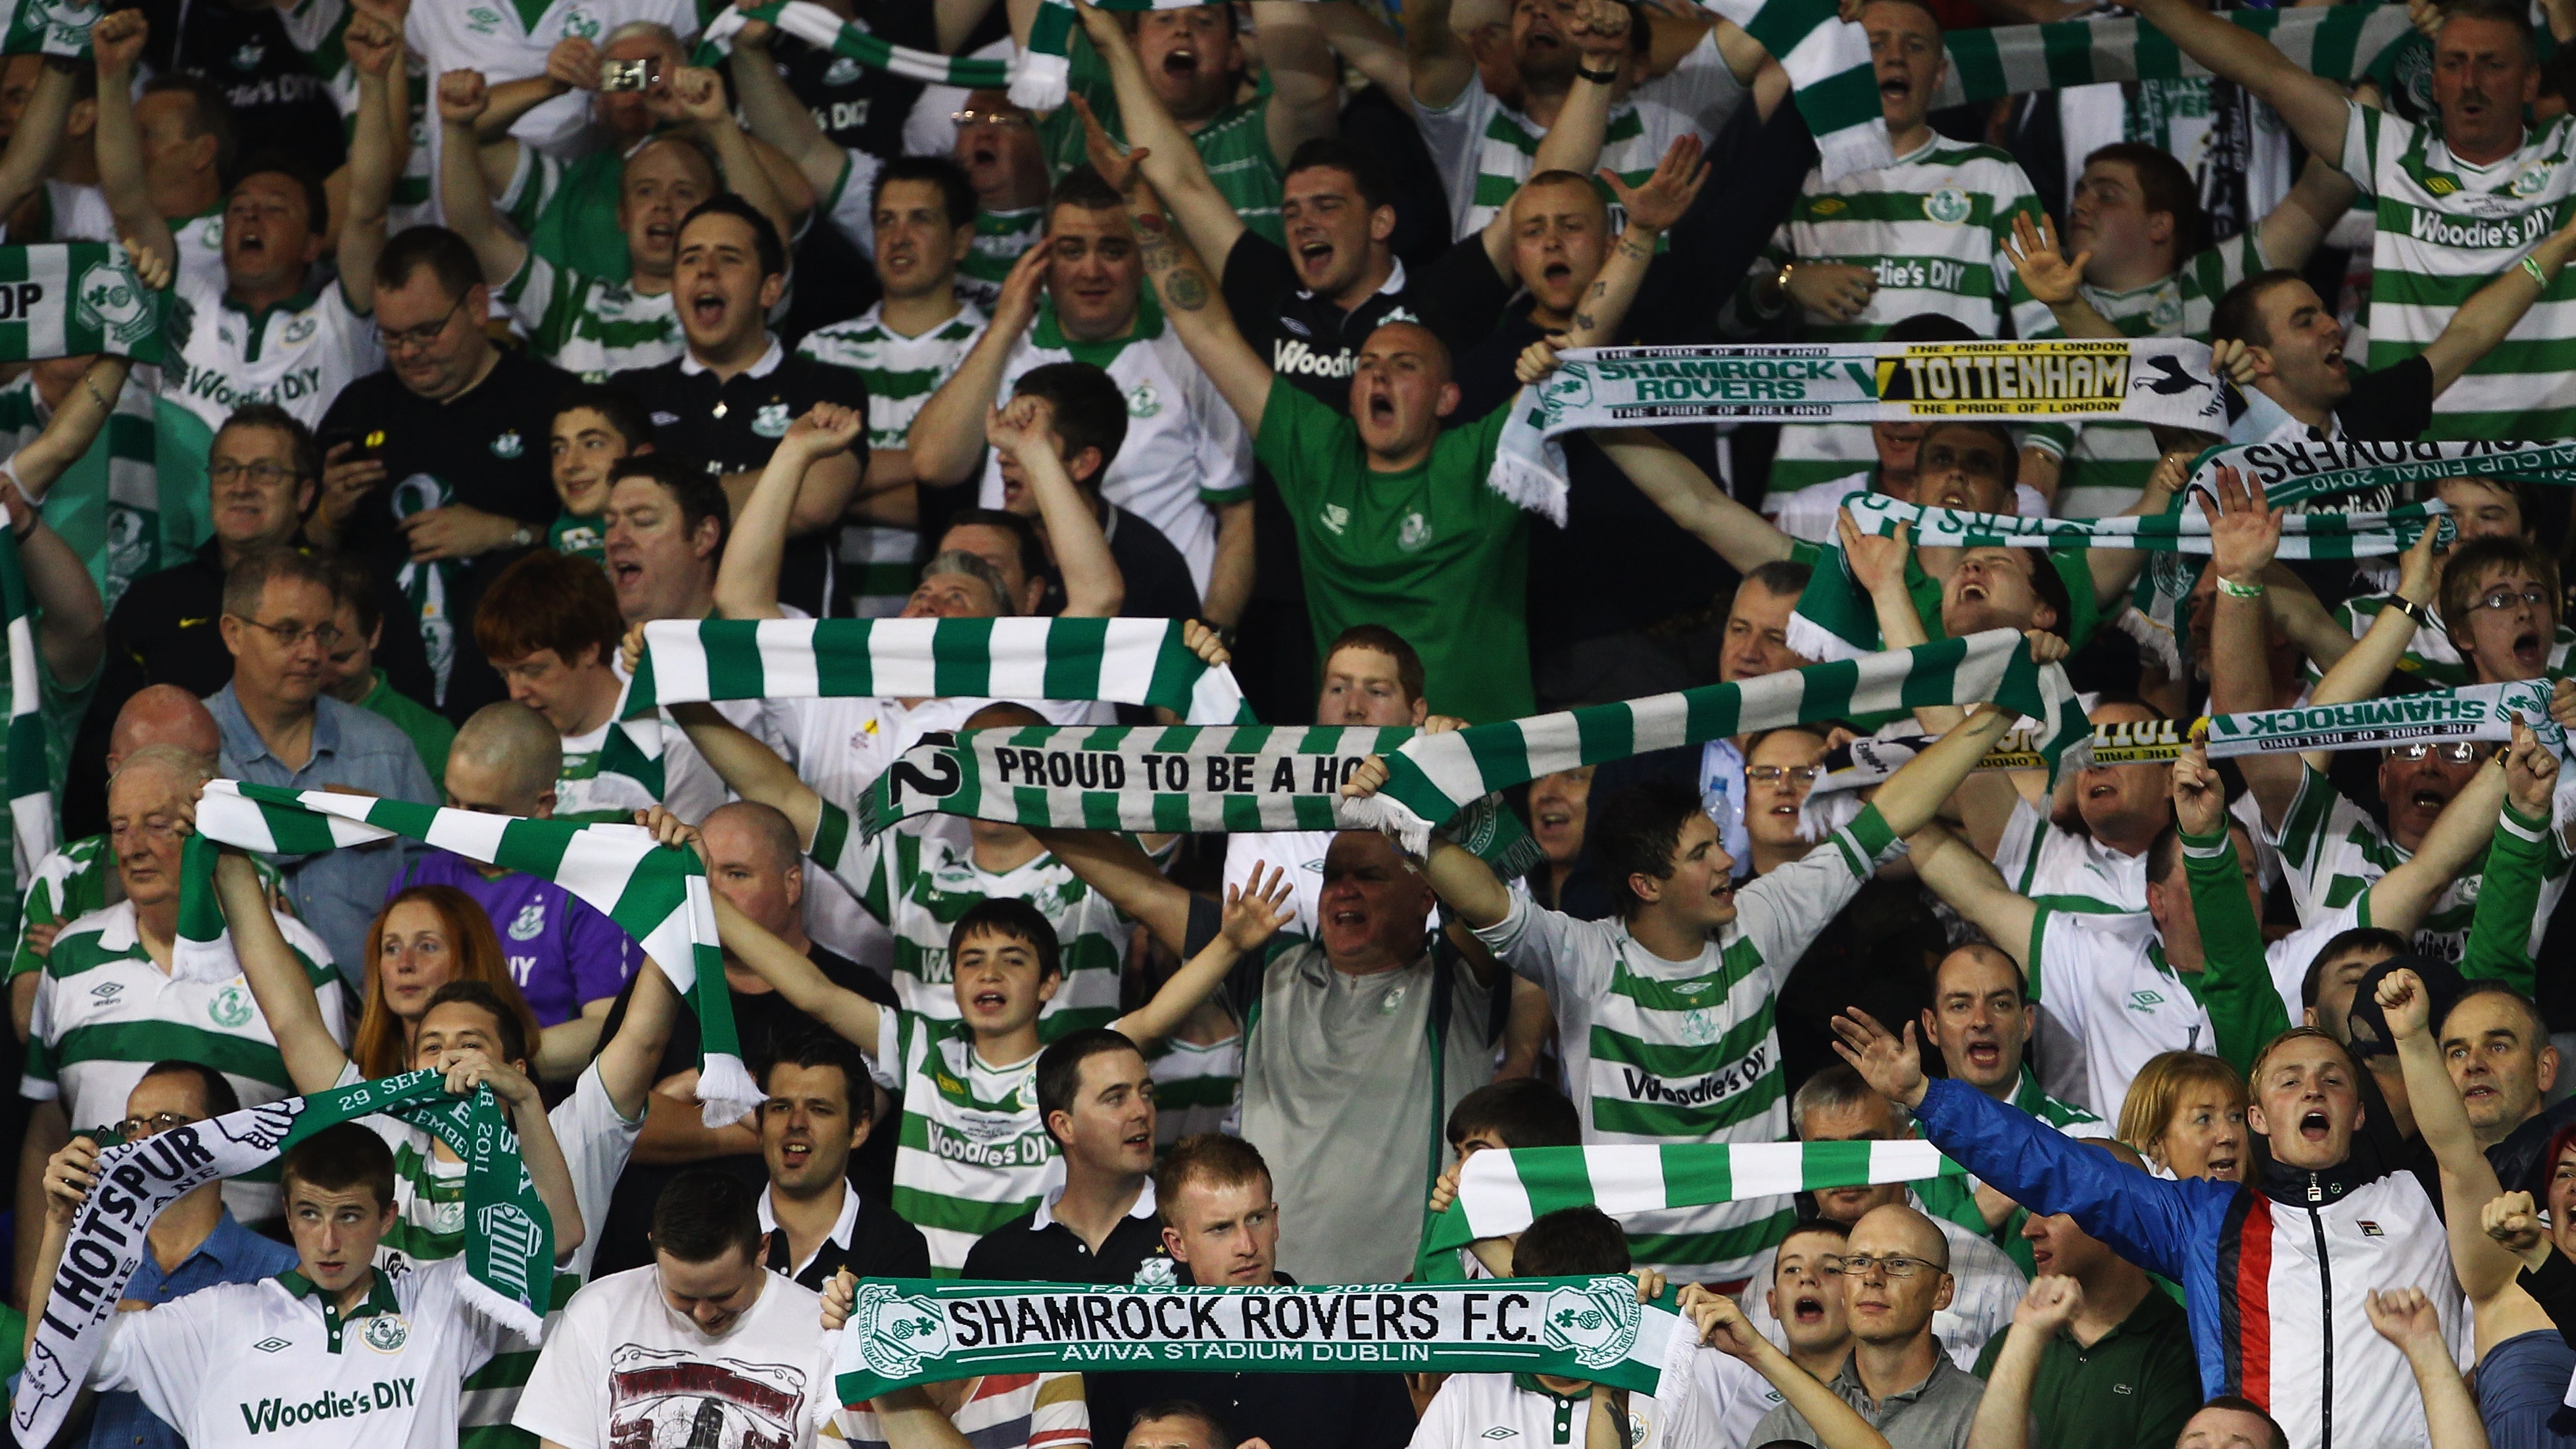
[2332, 851]
[1000, 238]
[2107, 464]
[1663, 1051]
[971, 1153]
[919, 877]
[901, 373]
[297, 354]
[590, 325]
[108, 504]
[1196, 1088]
[1931, 229]
[104, 1012]
[69, 883]
[2447, 228]
[2066, 871]
[429, 1227]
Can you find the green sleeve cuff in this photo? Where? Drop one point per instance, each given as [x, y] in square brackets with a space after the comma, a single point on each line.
[2032, 974]
[1871, 829]
[831, 835]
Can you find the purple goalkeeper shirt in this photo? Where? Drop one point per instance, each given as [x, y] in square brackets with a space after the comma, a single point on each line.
[561, 950]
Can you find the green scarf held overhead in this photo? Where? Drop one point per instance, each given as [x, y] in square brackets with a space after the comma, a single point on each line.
[824, 30]
[2304, 535]
[656, 895]
[1124, 661]
[69, 299]
[1500, 1193]
[509, 1251]
[905, 1331]
[1828, 60]
[50, 27]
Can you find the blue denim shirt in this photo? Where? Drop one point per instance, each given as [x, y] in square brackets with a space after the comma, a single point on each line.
[336, 892]
[230, 1254]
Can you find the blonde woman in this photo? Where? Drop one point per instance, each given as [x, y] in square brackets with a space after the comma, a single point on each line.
[2185, 1114]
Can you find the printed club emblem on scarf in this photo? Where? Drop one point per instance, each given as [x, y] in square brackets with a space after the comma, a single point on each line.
[897, 1331]
[1596, 1323]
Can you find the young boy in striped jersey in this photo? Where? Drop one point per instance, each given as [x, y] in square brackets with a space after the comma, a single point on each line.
[1665, 1014]
[590, 325]
[921, 221]
[973, 1152]
[1925, 234]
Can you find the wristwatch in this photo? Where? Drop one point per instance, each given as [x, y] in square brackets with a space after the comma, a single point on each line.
[2422, 616]
[1598, 77]
[522, 536]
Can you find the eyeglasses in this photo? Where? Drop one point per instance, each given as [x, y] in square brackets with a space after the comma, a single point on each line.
[1773, 774]
[133, 1128]
[2535, 596]
[289, 633]
[2454, 752]
[264, 473]
[971, 116]
[417, 337]
[1893, 1266]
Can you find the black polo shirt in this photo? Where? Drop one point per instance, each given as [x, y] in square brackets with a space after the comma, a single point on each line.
[1290, 1411]
[734, 425]
[1038, 1249]
[1308, 339]
[874, 1243]
[486, 448]
[1157, 578]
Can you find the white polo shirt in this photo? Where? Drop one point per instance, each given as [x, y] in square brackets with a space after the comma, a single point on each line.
[273, 1363]
[297, 354]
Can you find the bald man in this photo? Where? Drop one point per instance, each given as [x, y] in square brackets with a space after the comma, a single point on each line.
[570, 961]
[1896, 1274]
[80, 877]
[1394, 521]
[753, 860]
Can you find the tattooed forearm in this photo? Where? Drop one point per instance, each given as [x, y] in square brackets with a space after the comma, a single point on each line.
[1640, 251]
[1185, 291]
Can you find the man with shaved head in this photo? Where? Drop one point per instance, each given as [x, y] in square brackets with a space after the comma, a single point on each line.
[1394, 521]
[1896, 1274]
[569, 960]
[80, 877]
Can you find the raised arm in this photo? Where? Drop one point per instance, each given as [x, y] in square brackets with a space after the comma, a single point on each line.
[1372, 47]
[2245, 1008]
[1652, 210]
[947, 437]
[1253, 912]
[747, 577]
[39, 136]
[749, 768]
[2052, 279]
[799, 981]
[74, 427]
[2244, 532]
[2406, 1318]
[376, 155]
[2364, 669]
[1913, 795]
[1971, 885]
[1305, 77]
[539, 1152]
[1169, 159]
[700, 95]
[2316, 202]
[2315, 107]
[1120, 870]
[2469, 1182]
[1024, 430]
[2499, 943]
[776, 116]
[71, 624]
[116, 41]
[1723, 1326]
[627, 1061]
[1442, 67]
[2491, 312]
[463, 192]
[2003, 1414]
[314, 1061]
[1675, 484]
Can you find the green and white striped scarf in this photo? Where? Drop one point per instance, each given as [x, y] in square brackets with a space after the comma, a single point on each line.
[32, 829]
[2303, 535]
[50, 27]
[1264, 777]
[2158, 380]
[509, 1254]
[2471, 712]
[1123, 661]
[824, 30]
[1828, 60]
[1501, 1193]
[904, 1331]
[2295, 472]
[655, 895]
[68, 299]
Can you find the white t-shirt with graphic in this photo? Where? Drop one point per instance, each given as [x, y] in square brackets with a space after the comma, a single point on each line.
[622, 1368]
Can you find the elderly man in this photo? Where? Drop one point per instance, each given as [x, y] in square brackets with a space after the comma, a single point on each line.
[280, 728]
[1896, 1274]
[127, 947]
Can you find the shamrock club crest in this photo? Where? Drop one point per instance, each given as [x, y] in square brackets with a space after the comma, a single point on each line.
[898, 1332]
[107, 299]
[1597, 1322]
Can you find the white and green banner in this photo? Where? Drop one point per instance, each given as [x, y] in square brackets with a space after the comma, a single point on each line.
[1502, 1192]
[2295, 472]
[509, 1251]
[68, 299]
[904, 1331]
[2163, 381]
[2303, 535]
[2471, 712]
[820, 28]
[1124, 661]
[654, 894]
[32, 825]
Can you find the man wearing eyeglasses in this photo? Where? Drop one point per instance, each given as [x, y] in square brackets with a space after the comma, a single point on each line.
[281, 728]
[1895, 1276]
[195, 1242]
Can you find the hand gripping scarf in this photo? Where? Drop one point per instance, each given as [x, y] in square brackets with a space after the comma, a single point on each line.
[69, 299]
[655, 895]
[509, 1253]
[2156, 380]
[1290, 778]
[1125, 661]
[824, 30]
[904, 1331]
[1828, 60]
